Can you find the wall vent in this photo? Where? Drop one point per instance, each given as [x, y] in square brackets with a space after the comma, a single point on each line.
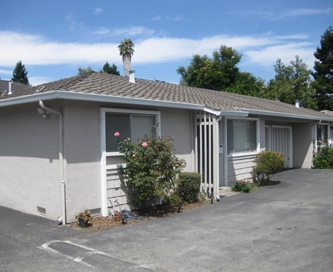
[41, 210]
[95, 212]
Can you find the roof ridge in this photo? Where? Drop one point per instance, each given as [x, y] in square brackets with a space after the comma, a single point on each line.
[72, 81]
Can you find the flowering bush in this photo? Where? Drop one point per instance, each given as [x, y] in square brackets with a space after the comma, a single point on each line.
[268, 163]
[242, 186]
[151, 168]
[323, 156]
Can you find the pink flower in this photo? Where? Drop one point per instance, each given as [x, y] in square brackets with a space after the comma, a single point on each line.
[116, 134]
[144, 144]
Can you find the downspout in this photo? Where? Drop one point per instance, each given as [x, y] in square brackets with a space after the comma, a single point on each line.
[225, 151]
[61, 160]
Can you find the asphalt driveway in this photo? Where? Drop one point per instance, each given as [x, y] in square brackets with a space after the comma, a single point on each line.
[284, 227]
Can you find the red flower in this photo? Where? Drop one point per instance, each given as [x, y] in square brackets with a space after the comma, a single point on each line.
[144, 144]
[116, 134]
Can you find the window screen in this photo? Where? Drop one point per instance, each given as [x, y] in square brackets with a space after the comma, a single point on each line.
[142, 126]
[117, 123]
[129, 126]
[242, 136]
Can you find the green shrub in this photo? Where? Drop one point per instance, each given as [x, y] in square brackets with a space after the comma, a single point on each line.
[151, 168]
[268, 163]
[242, 186]
[189, 186]
[173, 198]
[322, 159]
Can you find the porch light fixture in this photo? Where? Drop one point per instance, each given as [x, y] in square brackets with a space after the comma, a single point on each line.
[42, 112]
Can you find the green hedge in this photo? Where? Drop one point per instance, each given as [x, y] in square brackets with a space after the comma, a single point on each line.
[189, 186]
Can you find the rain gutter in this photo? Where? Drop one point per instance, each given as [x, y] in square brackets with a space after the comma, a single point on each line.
[59, 94]
[287, 115]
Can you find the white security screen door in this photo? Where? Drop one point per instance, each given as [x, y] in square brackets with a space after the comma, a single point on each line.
[281, 142]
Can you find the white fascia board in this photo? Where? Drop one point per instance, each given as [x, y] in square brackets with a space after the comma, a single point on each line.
[27, 99]
[96, 98]
[287, 115]
[235, 113]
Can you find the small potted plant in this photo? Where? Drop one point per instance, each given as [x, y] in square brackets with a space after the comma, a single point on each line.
[84, 218]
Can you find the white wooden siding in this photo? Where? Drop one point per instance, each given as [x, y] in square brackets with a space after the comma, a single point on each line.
[240, 168]
[116, 190]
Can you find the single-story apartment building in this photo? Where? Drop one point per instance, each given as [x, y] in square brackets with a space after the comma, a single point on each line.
[58, 155]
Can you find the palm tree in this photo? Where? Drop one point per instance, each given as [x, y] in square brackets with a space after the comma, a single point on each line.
[126, 51]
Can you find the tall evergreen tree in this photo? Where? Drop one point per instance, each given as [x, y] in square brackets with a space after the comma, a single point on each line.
[110, 69]
[221, 73]
[217, 73]
[292, 84]
[20, 74]
[323, 75]
[247, 84]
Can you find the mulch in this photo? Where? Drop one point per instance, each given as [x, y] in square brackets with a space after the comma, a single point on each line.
[104, 223]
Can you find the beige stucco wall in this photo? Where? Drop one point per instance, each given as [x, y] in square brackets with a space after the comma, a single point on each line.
[82, 155]
[29, 155]
[178, 125]
[29, 164]
[302, 148]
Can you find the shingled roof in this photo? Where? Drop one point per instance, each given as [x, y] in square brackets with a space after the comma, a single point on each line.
[15, 86]
[117, 86]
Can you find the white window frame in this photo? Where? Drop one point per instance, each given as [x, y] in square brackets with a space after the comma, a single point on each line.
[103, 113]
[239, 154]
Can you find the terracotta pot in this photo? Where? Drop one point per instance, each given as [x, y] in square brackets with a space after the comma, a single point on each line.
[116, 216]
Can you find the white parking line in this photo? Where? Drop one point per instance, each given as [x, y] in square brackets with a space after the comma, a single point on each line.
[88, 252]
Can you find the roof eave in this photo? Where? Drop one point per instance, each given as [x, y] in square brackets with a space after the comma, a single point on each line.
[59, 94]
[286, 115]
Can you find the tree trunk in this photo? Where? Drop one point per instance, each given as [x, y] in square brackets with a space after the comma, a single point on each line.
[127, 64]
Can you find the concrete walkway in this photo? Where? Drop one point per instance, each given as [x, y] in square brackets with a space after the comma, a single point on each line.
[284, 227]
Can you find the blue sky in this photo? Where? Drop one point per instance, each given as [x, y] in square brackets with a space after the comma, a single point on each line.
[54, 38]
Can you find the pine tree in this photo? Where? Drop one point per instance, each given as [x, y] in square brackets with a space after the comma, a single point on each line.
[292, 84]
[20, 74]
[110, 69]
[323, 75]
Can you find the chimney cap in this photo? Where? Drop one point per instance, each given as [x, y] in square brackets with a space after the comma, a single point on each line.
[132, 76]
